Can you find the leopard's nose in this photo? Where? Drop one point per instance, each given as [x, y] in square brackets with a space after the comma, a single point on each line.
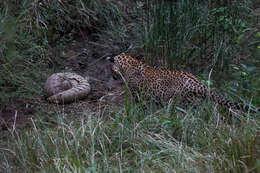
[115, 72]
[111, 59]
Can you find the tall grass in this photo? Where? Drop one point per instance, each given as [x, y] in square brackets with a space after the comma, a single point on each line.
[197, 33]
[134, 140]
[19, 54]
[192, 35]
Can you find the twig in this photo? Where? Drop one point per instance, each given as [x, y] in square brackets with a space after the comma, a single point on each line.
[15, 116]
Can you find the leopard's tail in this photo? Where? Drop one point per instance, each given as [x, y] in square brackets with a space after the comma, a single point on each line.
[231, 105]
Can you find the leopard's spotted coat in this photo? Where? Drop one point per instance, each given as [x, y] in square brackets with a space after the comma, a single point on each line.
[163, 84]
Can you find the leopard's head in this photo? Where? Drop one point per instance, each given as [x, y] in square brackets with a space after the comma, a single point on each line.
[123, 64]
[120, 64]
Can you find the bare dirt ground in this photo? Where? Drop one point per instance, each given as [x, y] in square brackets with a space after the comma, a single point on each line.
[85, 58]
[17, 113]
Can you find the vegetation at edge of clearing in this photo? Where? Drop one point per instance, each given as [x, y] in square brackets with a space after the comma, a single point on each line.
[197, 36]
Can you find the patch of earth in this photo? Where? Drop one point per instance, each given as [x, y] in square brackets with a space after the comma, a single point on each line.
[15, 115]
[85, 58]
[88, 59]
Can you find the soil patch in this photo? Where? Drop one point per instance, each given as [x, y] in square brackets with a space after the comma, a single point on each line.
[85, 58]
[15, 115]
[90, 59]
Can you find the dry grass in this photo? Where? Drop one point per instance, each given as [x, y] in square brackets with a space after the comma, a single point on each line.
[38, 37]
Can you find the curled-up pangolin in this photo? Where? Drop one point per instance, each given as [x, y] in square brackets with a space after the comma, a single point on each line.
[66, 87]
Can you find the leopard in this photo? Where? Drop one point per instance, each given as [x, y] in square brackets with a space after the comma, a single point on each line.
[163, 85]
